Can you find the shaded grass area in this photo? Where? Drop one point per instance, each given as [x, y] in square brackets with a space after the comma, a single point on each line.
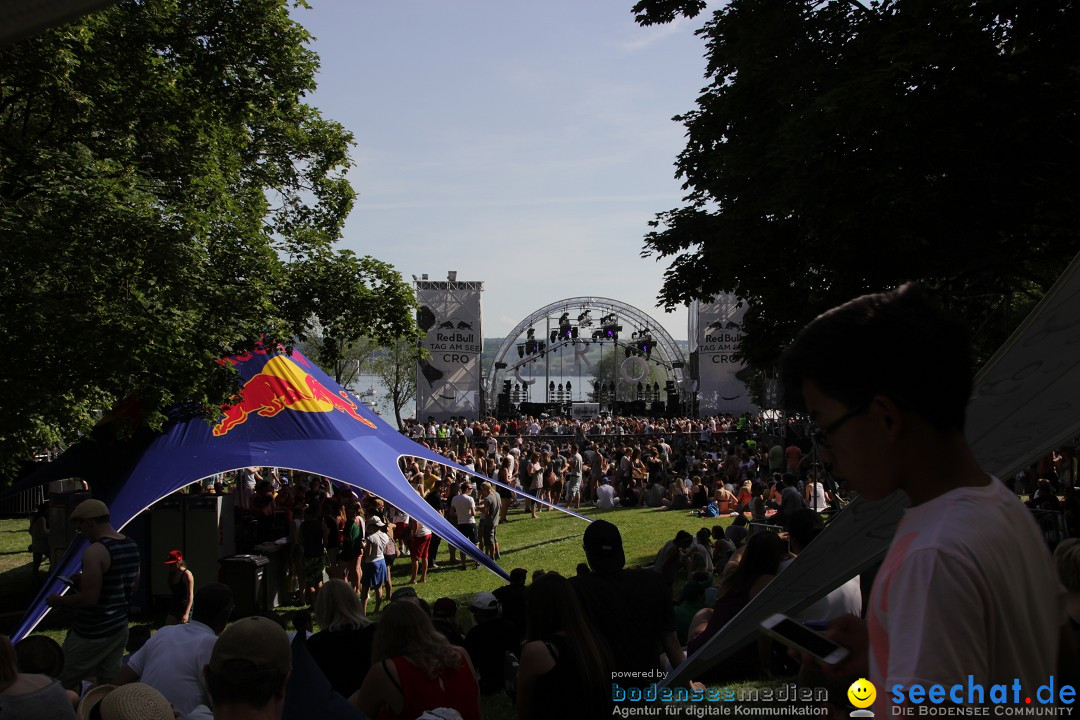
[551, 542]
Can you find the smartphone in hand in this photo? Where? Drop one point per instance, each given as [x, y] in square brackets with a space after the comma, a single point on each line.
[794, 634]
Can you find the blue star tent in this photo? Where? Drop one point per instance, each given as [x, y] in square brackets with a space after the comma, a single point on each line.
[289, 414]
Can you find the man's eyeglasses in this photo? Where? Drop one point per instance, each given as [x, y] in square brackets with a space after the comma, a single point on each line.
[821, 435]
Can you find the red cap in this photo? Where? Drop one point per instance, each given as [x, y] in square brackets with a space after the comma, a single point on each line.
[175, 556]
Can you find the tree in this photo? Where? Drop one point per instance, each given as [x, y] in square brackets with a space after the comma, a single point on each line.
[396, 368]
[343, 307]
[162, 184]
[842, 148]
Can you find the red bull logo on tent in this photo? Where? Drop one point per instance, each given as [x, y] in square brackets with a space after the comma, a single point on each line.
[283, 385]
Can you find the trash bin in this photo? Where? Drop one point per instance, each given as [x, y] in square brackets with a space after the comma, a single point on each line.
[275, 580]
[246, 575]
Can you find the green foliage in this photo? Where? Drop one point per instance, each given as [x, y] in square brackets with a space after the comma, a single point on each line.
[157, 166]
[343, 307]
[396, 368]
[843, 148]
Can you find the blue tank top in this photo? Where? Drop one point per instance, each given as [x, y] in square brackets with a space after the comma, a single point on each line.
[111, 612]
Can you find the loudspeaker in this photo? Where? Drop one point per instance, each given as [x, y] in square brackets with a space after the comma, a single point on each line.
[209, 534]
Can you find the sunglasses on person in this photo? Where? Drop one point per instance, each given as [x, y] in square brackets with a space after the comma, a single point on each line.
[820, 435]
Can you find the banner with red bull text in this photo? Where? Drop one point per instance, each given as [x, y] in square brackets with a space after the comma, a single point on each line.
[448, 379]
[715, 332]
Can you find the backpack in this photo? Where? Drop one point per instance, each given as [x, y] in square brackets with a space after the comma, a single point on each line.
[712, 510]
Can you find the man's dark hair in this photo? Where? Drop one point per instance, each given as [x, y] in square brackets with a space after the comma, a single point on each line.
[242, 684]
[900, 344]
[213, 604]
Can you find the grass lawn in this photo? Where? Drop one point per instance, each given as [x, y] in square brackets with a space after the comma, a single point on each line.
[550, 542]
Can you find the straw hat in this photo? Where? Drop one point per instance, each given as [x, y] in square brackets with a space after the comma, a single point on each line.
[136, 701]
[92, 698]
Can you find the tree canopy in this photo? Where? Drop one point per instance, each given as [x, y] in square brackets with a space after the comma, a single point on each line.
[841, 148]
[167, 197]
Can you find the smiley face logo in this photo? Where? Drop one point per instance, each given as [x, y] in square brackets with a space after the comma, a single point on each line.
[862, 693]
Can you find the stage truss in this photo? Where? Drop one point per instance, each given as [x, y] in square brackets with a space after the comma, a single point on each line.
[666, 352]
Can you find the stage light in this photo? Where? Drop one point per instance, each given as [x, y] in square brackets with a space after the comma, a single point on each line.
[574, 332]
[521, 350]
[554, 336]
[530, 334]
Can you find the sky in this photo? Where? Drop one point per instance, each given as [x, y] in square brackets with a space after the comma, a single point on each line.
[523, 144]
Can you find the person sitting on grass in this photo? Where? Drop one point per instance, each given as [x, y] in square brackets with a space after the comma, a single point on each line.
[34, 692]
[565, 667]
[342, 647]
[489, 640]
[758, 566]
[414, 668]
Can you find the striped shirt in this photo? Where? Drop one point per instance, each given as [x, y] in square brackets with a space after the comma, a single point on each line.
[111, 612]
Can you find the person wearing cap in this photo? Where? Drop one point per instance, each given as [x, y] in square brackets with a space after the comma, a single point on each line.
[489, 640]
[248, 672]
[374, 573]
[512, 598]
[605, 495]
[444, 618]
[172, 660]
[181, 589]
[630, 609]
[94, 647]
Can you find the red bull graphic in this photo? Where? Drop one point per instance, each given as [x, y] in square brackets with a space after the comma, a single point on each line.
[280, 385]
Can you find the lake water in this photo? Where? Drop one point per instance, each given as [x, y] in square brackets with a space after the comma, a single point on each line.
[370, 388]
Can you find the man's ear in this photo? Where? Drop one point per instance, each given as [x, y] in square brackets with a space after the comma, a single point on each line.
[892, 418]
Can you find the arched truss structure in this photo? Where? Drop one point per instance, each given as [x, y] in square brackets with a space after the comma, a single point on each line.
[666, 354]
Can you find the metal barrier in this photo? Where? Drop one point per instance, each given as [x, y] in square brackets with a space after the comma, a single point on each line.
[756, 527]
[24, 503]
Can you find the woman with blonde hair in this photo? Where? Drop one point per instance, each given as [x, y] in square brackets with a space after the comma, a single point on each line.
[342, 649]
[414, 668]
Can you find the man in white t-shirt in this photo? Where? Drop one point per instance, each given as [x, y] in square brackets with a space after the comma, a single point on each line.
[967, 595]
[465, 507]
[605, 496]
[172, 660]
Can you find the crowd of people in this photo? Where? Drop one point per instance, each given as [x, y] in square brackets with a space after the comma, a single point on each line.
[941, 609]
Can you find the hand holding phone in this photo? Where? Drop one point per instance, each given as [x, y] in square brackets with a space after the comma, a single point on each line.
[794, 634]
